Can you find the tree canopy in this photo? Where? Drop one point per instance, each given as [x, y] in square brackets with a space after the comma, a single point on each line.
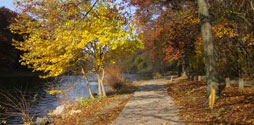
[62, 34]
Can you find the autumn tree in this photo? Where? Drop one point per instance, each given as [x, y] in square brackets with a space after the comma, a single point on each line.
[206, 30]
[233, 37]
[173, 28]
[69, 36]
[169, 31]
[180, 39]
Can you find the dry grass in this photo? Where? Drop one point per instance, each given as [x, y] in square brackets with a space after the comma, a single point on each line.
[113, 77]
[17, 103]
[233, 107]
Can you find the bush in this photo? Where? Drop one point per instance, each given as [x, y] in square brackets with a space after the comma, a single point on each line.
[113, 77]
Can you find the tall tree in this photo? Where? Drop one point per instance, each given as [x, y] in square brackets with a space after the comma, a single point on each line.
[64, 35]
[177, 30]
[206, 30]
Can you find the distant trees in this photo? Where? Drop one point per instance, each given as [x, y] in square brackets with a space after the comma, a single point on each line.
[172, 36]
[174, 26]
[72, 36]
[9, 56]
[169, 31]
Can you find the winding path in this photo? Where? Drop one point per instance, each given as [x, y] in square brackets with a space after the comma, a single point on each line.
[150, 105]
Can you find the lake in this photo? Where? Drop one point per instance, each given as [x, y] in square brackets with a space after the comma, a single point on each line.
[75, 87]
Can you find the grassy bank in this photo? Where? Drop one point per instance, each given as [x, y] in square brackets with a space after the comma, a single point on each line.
[233, 107]
[101, 110]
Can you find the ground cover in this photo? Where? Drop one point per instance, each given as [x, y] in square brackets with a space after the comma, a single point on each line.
[233, 107]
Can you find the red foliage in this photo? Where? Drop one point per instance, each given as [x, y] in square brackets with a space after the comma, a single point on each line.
[167, 26]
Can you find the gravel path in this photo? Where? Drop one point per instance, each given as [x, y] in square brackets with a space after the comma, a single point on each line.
[150, 105]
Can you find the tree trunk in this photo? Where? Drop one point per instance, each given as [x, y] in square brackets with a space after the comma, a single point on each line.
[102, 83]
[88, 84]
[99, 85]
[208, 47]
[183, 74]
[179, 66]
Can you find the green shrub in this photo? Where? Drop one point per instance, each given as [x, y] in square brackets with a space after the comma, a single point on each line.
[85, 101]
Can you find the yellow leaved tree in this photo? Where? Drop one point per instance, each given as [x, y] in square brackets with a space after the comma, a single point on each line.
[72, 36]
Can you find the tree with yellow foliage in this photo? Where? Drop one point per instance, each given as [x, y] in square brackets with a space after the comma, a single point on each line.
[62, 36]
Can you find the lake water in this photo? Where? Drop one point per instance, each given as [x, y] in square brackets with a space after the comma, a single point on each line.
[75, 87]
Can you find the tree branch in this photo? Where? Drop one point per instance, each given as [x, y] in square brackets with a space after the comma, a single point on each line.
[91, 8]
[243, 17]
[251, 4]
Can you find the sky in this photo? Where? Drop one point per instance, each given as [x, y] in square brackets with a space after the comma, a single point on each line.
[7, 4]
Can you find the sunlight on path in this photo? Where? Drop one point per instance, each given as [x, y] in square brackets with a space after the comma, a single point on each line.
[150, 105]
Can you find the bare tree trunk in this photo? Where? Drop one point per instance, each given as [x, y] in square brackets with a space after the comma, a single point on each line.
[208, 46]
[87, 83]
[183, 74]
[99, 84]
[179, 67]
[102, 84]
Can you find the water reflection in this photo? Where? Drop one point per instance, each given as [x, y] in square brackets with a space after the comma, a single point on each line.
[74, 87]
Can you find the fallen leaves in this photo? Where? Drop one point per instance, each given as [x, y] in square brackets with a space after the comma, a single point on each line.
[93, 112]
[109, 116]
[233, 107]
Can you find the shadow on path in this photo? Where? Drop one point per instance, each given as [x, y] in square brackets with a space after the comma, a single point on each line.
[150, 105]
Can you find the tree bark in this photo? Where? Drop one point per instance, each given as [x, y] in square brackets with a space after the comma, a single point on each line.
[102, 83]
[99, 85]
[179, 73]
[208, 47]
[183, 73]
[87, 83]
